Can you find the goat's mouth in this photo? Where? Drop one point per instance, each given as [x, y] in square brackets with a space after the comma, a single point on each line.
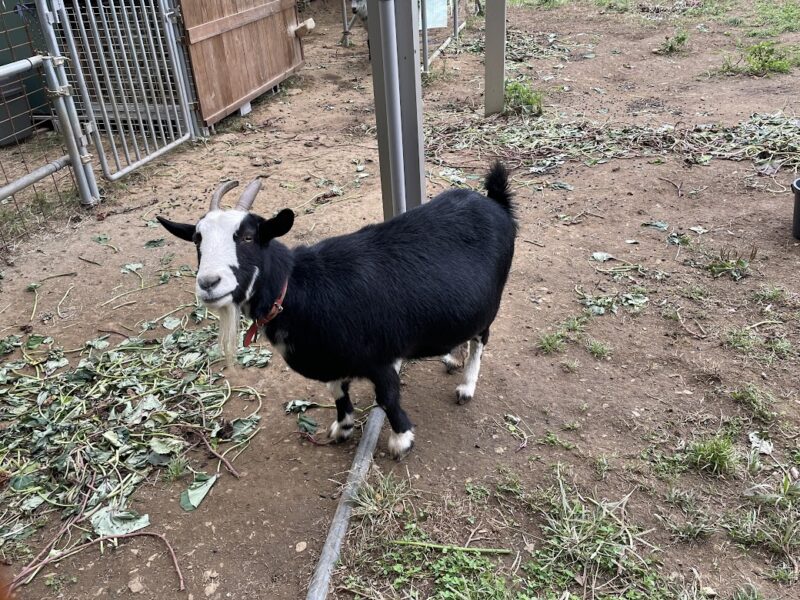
[217, 301]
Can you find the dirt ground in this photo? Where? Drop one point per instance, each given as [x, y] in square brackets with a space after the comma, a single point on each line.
[670, 369]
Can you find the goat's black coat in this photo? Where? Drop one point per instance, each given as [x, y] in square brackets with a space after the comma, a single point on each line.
[417, 285]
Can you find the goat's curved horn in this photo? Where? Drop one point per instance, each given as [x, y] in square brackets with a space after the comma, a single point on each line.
[221, 191]
[249, 195]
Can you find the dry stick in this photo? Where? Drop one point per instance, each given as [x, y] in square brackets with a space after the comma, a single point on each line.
[60, 302]
[760, 323]
[678, 187]
[29, 568]
[231, 469]
[91, 262]
[445, 547]
[122, 295]
[111, 331]
[76, 549]
[534, 242]
[72, 274]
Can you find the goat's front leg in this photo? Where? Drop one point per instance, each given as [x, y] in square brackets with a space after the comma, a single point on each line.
[342, 428]
[387, 395]
[472, 368]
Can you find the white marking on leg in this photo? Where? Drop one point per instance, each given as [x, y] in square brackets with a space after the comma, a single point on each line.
[336, 388]
[340, 431]
[466, 390]
[400, 443]
[397, 364]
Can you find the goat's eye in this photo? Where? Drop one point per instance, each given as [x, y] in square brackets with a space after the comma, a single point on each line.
[247, 238]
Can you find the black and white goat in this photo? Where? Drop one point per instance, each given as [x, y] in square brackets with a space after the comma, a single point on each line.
[419, 285]
[360, 10]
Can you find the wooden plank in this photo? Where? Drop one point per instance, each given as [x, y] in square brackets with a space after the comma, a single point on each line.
[222, 25]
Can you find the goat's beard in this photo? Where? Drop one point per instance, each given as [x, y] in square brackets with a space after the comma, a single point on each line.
[229, 331]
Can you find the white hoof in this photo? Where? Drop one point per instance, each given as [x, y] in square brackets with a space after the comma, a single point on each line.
[464, 393]
[341, 430]
[401, 443]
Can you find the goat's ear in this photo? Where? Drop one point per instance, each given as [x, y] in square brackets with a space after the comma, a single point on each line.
[181, 230]
[275, 227]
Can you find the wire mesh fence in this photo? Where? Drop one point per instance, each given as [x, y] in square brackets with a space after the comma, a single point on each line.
[29, 134]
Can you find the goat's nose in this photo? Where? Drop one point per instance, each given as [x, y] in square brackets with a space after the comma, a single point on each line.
[208, 282]
[355, 10]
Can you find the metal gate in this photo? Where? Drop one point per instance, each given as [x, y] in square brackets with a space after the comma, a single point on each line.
[128, 76]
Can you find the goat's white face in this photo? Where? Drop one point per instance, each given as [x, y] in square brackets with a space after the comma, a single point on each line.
[360, 8]
[215, 237]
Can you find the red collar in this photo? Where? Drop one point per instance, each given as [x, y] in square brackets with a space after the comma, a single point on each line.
[277, 308]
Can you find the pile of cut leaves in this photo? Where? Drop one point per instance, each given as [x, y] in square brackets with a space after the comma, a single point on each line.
[77, 439]
[771, 141]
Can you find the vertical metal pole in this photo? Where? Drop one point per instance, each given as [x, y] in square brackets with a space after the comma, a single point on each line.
[495, 62]
[168, 12]
[345, 25]
[379, 92]
[394, 124]
[57, 80]
[410, 92]
[426, 63]
[455, 20]
[84, 173]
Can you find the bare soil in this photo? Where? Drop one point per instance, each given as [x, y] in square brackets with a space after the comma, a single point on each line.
[666, 382]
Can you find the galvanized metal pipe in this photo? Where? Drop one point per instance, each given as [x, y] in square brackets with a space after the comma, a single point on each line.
[57, 79]
[318, 588]
[183, 95]
[20, 66]
[426, 64]
[34, 176]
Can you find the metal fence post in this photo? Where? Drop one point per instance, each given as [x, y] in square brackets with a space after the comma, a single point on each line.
[495, 82]
[65, 108]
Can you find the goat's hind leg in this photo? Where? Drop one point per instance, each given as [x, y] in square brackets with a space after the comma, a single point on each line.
[387, 395]
[342, 428]
[472, 368]
[456, 358]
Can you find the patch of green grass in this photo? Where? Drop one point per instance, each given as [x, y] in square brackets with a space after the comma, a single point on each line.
[758, 402]
[779, 16]
[697, 293]
[381, 500]
[763, 59]
[779, 347]
[664, 466]
[736, 267]
[601, 467]
[695, 526]
[770, 295]
[776, 529]
[551, 343]
[575, 324]
[619, 6]
[673, 44]
[570, 366]
[747, 592]
[537, 3]
[477, 492]
[598, 349]
[686, 500]
[521, 98]
[176, 468]
[551, 439]
[741, 339]
[716, 455]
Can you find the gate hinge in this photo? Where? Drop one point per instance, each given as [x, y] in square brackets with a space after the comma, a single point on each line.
[64, 90]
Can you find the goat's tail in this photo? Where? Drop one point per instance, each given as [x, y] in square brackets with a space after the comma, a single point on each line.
[497, 186]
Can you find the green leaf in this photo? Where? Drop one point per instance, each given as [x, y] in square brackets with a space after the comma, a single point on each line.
[194, 495]
[298, 406]
[171, 323]
[101, 239]
[35, 340]
[660, 225]
[306, 423]
[131, 267]
[111, 521]
[100, 343]
[602, 256]
[157, 243]
[166, 445]
[244, 427]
